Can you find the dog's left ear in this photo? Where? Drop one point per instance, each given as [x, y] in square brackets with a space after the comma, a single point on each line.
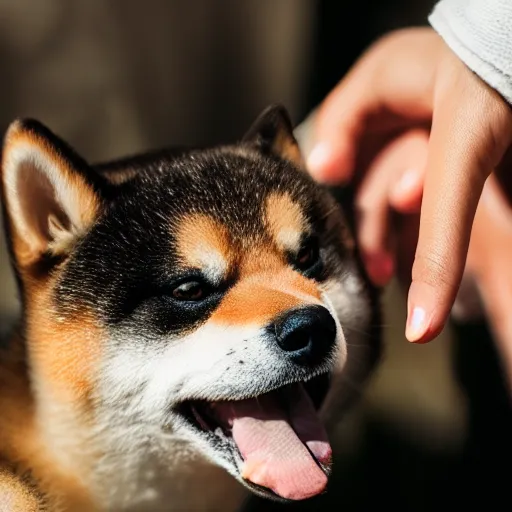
[272, 133]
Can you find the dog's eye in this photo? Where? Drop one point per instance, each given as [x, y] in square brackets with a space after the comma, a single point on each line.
[191, 290]
[308, 255]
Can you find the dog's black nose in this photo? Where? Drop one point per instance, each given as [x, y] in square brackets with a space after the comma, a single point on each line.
[307, 334]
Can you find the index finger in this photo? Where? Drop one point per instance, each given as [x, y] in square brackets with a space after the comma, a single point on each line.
[470, 133]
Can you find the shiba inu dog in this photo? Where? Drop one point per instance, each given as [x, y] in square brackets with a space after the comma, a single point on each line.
[189, 318]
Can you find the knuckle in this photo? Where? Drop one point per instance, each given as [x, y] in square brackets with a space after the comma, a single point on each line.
[362, 203]
[434, 269]
[371, 232]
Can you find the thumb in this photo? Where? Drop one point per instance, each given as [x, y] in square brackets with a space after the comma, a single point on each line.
[470, 132]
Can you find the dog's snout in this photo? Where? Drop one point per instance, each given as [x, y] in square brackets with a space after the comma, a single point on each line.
[307, 334]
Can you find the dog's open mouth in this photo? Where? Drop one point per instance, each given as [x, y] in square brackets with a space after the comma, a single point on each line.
[278, 438]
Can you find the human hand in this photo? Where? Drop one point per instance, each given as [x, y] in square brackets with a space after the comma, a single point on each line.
[394, 209]
[411, 79]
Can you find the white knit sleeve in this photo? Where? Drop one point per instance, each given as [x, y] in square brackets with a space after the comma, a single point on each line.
[480, 33]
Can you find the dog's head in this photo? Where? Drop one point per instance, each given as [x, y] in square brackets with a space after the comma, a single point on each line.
[209, 295]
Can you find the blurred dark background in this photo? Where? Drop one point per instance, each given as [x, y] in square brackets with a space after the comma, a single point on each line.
[433, 429]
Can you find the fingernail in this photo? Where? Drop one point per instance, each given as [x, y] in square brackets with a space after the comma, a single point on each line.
[319, 158]
[380, 268]
[423, 306]
[416, 324]
[407, 182]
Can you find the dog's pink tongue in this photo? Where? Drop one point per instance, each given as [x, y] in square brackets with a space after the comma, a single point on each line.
[273, 443]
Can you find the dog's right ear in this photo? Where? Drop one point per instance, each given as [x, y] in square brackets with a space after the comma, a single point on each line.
[48, 197]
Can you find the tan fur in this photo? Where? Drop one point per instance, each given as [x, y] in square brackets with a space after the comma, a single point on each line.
[65, 351]
[119, 176]
[267, 287]
[200, 237]
[16, 495]
[285, 220]
[17, 430]
[286, 147]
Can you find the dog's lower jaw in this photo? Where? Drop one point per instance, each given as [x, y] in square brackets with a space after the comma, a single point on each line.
[165, 472]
